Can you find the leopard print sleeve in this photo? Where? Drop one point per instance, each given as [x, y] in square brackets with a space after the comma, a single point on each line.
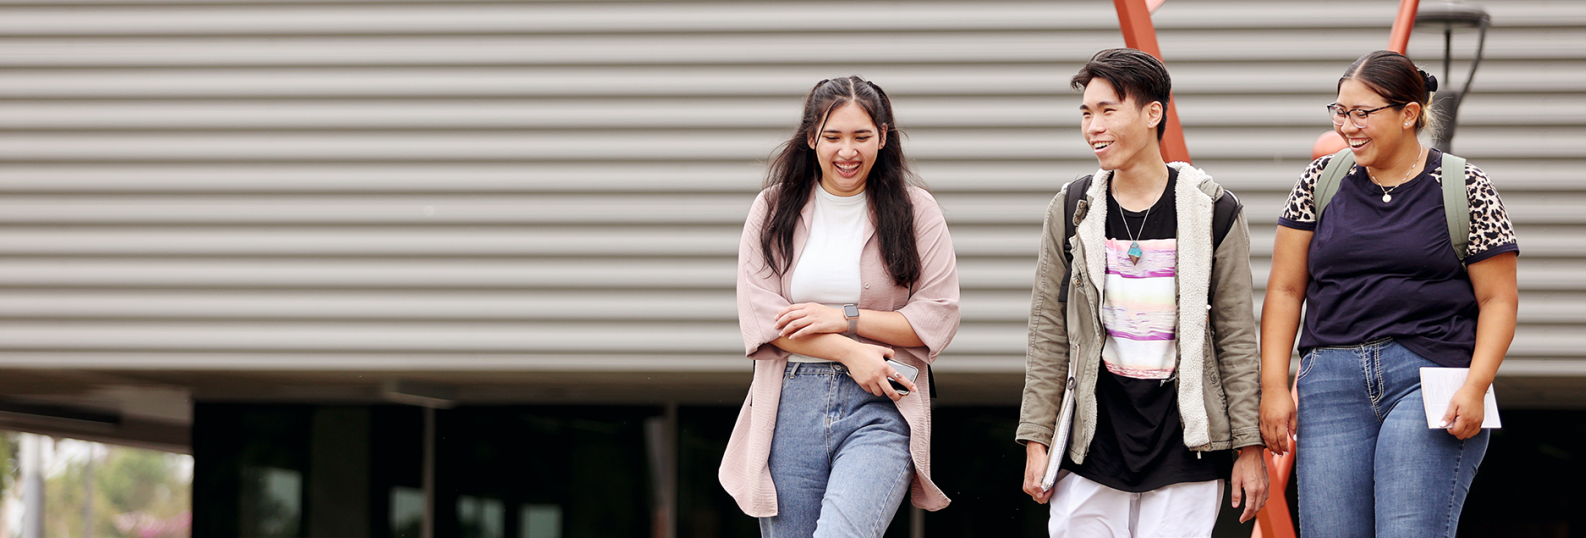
[1491, 232]
[1300, 211]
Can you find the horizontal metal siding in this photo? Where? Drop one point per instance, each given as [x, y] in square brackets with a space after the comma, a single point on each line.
[506, 187]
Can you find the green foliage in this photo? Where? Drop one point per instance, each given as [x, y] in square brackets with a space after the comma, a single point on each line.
[134, 491]
[10, 462]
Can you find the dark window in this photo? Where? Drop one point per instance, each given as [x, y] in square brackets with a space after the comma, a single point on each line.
[544, 472]
[304, 471]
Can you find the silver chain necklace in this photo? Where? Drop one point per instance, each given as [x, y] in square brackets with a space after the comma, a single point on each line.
[1386, 191]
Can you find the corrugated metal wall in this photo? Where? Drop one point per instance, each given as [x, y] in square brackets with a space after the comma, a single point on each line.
[523, 199]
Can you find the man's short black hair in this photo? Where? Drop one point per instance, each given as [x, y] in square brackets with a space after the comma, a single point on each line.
[1132, 73]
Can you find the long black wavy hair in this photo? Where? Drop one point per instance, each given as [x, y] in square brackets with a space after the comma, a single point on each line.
[795, 171]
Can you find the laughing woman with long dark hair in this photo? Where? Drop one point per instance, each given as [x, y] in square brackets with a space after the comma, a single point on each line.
[845, 263]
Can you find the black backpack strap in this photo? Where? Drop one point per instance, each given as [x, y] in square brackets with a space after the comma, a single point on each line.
[1071, 202]
[1223, 213]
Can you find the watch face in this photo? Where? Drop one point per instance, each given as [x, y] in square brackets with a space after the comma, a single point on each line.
[851, 311]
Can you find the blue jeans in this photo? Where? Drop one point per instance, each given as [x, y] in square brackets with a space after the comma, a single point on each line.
[1368, 464]
[839, 457]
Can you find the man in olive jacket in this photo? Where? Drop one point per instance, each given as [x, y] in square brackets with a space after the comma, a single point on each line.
[1155, 320]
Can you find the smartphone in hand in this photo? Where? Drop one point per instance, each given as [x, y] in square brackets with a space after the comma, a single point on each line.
[907, 371]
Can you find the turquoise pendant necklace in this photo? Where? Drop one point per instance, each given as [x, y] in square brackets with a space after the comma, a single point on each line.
[1134, 238]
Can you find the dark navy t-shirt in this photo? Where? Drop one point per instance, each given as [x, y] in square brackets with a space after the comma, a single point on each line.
[1387, 269]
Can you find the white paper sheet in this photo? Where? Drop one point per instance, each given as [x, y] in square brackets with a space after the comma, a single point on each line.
[1438, 386]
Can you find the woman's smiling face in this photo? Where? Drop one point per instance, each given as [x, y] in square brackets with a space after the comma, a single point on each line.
[1386, 130]
[847, 147]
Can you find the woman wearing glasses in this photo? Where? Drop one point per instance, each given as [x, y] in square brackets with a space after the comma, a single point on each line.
[1386, 294]
[846, 278]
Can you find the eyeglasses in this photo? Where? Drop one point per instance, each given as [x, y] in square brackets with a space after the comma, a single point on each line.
[1360, 116]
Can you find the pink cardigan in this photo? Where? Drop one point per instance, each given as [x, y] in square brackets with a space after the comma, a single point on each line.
[932, 309]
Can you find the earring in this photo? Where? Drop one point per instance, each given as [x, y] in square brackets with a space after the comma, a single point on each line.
[1406, 125]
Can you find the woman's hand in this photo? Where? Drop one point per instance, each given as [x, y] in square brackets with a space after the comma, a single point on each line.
[868, 366]
[1465, 412]
[806, 319]
[1034, 470]
[1278, 421]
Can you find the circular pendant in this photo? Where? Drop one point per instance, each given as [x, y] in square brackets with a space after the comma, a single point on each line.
[1387, 198]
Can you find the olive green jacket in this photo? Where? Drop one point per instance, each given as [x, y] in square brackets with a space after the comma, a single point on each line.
[1218, 371]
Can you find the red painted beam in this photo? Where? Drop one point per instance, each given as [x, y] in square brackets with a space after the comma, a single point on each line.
[1134, 18]
[1274, 521]
[1399, 40]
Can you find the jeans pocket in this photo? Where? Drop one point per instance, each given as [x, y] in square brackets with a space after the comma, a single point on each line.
[1307, 361]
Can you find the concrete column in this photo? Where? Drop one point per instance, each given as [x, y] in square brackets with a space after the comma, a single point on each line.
[88, 493]
[32, 485]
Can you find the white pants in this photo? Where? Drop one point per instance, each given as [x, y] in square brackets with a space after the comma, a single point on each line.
[1084, 509]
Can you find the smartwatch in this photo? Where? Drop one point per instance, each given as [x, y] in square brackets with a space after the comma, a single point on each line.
[851, 311]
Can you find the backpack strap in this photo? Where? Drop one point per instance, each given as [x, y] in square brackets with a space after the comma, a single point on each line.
[1456, 204]
[1071, 217]
[1223, 212]
[1333, 175]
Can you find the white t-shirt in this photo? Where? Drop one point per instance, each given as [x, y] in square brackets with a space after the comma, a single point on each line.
[827, 272]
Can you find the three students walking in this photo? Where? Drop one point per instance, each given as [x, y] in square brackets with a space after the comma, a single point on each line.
[1142, 310]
